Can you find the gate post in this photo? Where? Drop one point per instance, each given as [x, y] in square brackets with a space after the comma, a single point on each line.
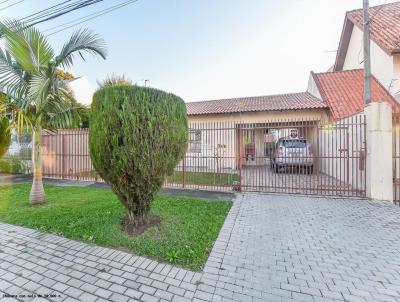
[379, 164]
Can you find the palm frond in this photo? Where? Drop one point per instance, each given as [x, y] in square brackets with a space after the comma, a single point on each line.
[21, 120]
[61, 110]
[37, 98]
[17, 46]
[81, 42]
[42, 52]
[12, 77]
[39, 87]
[26, 45]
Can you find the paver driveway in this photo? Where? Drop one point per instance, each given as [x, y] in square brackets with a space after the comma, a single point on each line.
[294, 248]
[271, 248]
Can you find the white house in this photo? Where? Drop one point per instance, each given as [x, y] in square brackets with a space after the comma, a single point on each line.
[82, 90]
[385, 44]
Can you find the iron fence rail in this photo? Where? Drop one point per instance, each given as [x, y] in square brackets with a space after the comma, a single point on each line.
[243, 156]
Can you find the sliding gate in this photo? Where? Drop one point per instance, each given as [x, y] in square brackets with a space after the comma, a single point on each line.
[305, 157]
[287, 156]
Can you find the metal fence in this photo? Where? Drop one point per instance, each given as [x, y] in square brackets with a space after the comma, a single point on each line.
[283, 156]
[65, 155]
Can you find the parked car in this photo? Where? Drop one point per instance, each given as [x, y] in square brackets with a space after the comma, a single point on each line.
[293, 153]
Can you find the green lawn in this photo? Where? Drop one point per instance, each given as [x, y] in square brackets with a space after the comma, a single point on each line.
[188, 227]
[204, 178]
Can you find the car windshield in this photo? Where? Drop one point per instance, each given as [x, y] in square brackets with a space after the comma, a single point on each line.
[295, 143]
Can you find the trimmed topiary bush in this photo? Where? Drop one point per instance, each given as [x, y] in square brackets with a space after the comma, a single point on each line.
[137, 136]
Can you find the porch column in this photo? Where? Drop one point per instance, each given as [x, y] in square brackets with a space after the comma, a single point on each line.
[379, 163]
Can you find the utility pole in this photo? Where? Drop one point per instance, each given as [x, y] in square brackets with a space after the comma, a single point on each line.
[367, 54]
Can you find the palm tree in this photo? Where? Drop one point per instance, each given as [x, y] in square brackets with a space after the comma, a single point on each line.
[37, 97]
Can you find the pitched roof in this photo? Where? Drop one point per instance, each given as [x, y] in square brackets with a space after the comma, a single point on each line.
[384, 29]
[343, 91]
[291, 101]
[384, 26]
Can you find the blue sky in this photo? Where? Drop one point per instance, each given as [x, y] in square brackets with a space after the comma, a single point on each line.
[210, 49]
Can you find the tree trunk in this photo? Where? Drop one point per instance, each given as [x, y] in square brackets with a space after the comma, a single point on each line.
[137, 218]
[138, 210]
[37, 195]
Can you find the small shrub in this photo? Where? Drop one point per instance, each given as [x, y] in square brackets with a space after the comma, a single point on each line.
[5, 135]
[5, 166]
[137, 136]
[12, 165]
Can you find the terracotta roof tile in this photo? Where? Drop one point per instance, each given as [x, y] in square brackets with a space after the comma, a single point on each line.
[291, 101]
[343, 91]
[385, 25]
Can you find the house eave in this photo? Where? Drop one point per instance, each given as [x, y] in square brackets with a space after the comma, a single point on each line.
[343, 44]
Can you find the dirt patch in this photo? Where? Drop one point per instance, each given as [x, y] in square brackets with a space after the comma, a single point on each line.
[151, 221]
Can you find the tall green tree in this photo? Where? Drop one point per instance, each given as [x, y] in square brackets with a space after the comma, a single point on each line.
[37, 97]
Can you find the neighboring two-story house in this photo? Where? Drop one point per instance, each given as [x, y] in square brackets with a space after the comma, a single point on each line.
[340, 90]
[330, 96]
[385, 44]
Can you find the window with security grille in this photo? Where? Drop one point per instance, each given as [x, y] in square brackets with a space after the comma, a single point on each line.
[194, 141]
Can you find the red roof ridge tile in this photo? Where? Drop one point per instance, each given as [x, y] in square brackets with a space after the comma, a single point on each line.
[339, 71]
[276, 102]
[250, 97]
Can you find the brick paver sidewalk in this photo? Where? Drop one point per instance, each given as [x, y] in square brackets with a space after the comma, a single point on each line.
[42, 264]
[271, 248]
